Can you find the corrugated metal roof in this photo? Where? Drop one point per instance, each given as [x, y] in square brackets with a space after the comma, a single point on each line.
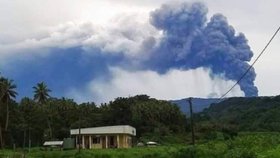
[120, 129]
[53, 143]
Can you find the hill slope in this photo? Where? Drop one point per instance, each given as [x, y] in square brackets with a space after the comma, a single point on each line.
[247, 114]
[199, 104]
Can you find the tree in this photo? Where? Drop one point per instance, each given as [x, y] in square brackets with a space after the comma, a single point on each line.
[7, 91]
[41, 93]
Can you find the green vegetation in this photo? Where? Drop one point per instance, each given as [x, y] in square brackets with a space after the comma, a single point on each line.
[46, 118]
[256, 114]
[164, 152]
[246, 145]
[234, 128]
[153, 119]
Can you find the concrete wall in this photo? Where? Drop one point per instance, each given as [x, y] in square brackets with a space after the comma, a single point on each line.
[125, 141]
[105, 141]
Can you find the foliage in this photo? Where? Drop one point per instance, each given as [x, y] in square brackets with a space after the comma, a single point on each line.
[246, 145]
[234, 128]
[7, 92]
[256, 114]
[41, 92]
[153, 119]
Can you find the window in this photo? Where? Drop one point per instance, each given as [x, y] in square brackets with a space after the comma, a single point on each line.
[95, 140]
[79, 139]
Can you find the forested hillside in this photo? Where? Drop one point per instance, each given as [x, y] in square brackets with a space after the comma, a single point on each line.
[256, 114]
[53, 118]
[44, 117]
[199, 104]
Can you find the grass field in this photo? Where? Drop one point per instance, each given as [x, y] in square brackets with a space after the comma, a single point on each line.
[145, 152]
[246, 145]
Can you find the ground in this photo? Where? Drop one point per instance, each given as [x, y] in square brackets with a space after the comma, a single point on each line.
[246, 145]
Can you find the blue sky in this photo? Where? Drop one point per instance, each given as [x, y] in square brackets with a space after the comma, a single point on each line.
[83, 51]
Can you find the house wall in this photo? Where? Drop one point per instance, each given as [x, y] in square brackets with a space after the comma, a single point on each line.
[96, 146]
[125, 141]
[117, 140]
[121, 141]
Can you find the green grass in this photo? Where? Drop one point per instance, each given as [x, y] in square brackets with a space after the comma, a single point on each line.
[246, 145]
[145, 152]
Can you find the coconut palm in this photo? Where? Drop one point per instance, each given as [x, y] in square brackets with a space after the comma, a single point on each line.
[7, 92]
[41, 93]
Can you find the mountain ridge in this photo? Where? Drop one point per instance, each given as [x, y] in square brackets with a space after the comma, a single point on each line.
[199, 104]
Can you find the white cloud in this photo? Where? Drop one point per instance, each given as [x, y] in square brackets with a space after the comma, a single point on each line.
[21, 19]
[128, 35]
[175, 84]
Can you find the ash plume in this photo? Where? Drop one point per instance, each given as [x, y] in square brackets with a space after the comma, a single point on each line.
[190, 41]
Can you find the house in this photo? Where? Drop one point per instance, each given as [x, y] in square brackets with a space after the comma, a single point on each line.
[53, 144]
[104, 137]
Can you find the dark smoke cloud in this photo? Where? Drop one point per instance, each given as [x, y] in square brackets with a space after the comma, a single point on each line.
[190, 41]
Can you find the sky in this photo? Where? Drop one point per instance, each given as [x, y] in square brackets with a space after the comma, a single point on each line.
[92, 50]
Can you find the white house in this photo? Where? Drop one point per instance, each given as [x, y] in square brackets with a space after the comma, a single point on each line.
[104, 137]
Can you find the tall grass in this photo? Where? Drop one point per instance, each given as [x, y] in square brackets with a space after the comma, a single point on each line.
[246, 145]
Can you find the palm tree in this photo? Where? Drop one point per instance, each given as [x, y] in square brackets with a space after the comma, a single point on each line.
[41, 93]
[7, 91]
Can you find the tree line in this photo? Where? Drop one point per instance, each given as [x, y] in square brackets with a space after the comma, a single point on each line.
[35, 120]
